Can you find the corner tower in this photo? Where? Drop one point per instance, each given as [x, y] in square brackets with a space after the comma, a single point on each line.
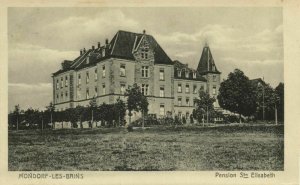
[208, 69]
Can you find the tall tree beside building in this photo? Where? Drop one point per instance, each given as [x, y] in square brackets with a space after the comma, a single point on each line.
[237, 94]
[136, 101]
[120, 111]
[204, 106]
[16, 114]
[279, 90]
[265, 100]
[50, 109]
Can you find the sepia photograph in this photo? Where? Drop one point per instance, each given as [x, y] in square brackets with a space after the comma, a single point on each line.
[146, 89]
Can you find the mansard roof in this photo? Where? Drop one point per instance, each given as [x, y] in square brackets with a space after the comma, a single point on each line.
[183, 69]
[207, 63]
[121, 46]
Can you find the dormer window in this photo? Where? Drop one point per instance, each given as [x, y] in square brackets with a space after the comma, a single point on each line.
[194, 75]
[213, 67]
[144, 53]
[187, 74]
[179, 73]
[103, 52]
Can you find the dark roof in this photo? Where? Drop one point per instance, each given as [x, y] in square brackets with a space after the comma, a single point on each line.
[183, 68]
[207, 63]
[121, 46]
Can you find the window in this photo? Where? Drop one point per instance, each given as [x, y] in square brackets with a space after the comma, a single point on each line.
[122, 88]
[195, 89]
[195, 102]
[57, 97]
[162, 92]
[194, 75]
[66, 81]
[66, 94]
[187, 88]
[96, 91]
[187, 115]
[96, 74]
[87, 93]
[145, 89]
[179, 115]
[202, 88]
[214, 78]
[144, 52]
[122, 70]
[62, 82]
[179, 101]
[161, 74]
[57, 84]
[187, 74]
[214, 90]
[145, 71]
[61, 95]
[87, 77]
[103, 52]
[162, 110]
[79, 93]
[79, 79]
[179, 73]
[103, 89]
[179, 88]
[187, 101]
[103, 71]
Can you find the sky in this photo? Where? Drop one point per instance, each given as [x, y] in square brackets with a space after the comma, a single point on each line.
[39, 39]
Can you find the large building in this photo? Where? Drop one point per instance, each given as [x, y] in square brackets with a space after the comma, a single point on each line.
[105, 72]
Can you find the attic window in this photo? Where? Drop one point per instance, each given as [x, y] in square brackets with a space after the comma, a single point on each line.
[194, 75]
[179, 73]
[87, 60]
[213, 67]
[103, 52]
[144, 53]
[187, 74]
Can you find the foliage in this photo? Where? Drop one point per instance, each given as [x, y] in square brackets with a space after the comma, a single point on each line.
[279, 90]
[136, 101]
[204, 104]
[237, 94]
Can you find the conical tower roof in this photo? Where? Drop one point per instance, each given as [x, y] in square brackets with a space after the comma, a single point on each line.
[207, 63]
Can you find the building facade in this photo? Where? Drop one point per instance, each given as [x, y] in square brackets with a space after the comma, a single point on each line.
[106, 71]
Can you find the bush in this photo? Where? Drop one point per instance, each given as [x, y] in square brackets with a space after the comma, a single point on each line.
[233, 119]
[130, 128]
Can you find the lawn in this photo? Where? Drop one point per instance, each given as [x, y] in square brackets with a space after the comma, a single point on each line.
[161, 148]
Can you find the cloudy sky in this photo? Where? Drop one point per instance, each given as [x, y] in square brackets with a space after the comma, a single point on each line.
[250, 39]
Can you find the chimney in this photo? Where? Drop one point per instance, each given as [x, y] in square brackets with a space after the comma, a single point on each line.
[84, 50]
[93, 47]
[106, 41]
[99, 45]
[81, 52]
[144, 32]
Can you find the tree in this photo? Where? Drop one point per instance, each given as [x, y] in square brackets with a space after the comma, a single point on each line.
[136, 101]
[265, 100]
[204, 106]
[120, 108]
[279, 90]
[16, 114]
[32, 118]
[50, 109]
[92, 108]
[237, 94]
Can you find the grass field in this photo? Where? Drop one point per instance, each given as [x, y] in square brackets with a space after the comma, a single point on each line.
[183, 148]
